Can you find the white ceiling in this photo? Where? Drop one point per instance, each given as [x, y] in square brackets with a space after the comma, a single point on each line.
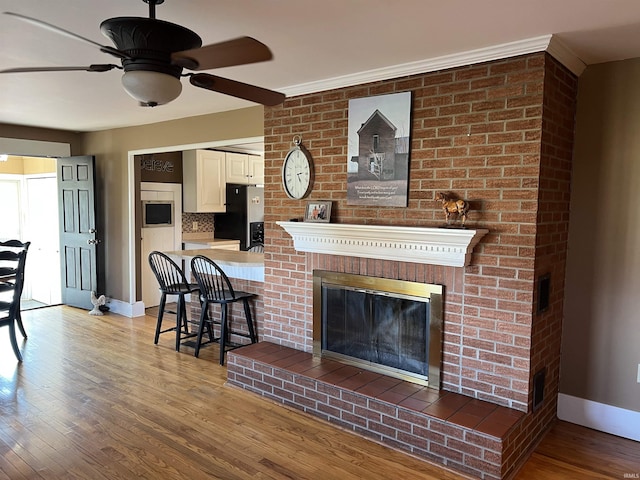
[314, 42]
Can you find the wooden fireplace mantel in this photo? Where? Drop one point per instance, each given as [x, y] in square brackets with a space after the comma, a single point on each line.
[450, 247]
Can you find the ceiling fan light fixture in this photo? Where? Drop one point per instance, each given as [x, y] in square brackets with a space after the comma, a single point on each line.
[151, 88]
[153, 54]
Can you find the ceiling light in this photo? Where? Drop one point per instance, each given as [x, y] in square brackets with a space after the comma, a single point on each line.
[151, 88]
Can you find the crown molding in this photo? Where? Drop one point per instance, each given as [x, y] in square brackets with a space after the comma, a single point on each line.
[542, 43]
[567, 57]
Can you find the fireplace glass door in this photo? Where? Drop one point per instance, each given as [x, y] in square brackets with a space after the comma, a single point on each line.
[377, 328]
[390, 326]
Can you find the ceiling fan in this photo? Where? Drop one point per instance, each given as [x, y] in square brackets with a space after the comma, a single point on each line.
[154, 52]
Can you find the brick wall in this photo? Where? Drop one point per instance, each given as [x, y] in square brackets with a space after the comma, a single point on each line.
[485, 132]
[559, 107]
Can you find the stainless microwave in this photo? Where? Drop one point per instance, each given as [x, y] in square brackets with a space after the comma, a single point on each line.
[157, 213]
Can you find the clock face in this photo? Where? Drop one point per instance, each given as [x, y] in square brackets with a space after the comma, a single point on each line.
[297, 173]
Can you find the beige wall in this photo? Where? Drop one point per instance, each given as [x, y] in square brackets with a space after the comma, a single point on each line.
[601, 334]
[34, 166]
[28, 165]
[12, 166]
[111, 148]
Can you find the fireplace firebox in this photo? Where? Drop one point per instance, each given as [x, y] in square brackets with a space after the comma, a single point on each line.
[388, 326]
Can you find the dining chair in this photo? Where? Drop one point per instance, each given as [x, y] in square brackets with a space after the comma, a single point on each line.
[12, 263]
[215, 288]
[172, 282]
[17, 245]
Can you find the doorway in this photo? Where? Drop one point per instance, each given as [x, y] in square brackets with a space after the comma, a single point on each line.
[252, 145]
[41, 228]
[28, 188]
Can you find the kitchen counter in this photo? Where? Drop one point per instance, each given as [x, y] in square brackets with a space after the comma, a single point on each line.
[197, 237]
[236, 264]
[207, 241]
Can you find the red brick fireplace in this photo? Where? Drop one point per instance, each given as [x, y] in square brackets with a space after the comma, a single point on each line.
[499, 134]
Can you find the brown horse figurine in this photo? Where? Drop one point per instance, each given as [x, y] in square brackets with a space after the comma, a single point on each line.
[453, 205]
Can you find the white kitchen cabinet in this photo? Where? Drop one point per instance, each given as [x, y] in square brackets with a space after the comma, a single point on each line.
[245, 169]
[203, 180]
[161, 238]
[256, 170]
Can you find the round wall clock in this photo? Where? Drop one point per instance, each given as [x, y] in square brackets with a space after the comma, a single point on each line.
[297, 171]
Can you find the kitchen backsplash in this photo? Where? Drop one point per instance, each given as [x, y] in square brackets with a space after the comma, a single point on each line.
[204, 221]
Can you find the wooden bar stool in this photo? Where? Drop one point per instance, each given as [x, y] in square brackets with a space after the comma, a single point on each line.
[172, 281]
[215, 288]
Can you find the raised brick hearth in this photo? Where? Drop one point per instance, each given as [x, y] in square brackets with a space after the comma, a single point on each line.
[454, 430]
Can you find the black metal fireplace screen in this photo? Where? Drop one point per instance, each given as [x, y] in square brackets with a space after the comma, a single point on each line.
[390, 326]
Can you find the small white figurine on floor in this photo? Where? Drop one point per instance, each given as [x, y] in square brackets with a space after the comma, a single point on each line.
[97, 303]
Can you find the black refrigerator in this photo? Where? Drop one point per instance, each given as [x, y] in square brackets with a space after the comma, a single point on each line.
[244, 218]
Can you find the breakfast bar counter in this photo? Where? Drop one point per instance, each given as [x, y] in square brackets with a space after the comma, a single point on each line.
[246, 273]
[236, 264]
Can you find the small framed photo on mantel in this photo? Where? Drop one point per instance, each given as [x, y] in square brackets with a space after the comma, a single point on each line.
[318, 211]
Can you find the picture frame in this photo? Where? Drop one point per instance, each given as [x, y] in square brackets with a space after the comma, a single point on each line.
[379, 131]
[318, 211]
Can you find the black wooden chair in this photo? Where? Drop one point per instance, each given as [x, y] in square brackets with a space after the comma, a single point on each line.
[172, 282]
[17, 245]
[13, 257]
[215, 288]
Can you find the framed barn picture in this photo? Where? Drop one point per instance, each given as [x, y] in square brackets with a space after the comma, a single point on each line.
[378, 151]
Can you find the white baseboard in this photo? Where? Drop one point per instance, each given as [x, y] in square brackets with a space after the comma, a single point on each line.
[599, 416]
[126, 309]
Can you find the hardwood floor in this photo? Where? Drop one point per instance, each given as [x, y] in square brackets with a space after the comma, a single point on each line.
[95, 399]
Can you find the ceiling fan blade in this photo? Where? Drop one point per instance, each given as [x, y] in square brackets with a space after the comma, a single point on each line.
[39, 23]
[237, 89]
[238, 51]
[91, 68]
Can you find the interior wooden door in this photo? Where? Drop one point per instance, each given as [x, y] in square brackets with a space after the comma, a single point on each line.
[79, 241]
